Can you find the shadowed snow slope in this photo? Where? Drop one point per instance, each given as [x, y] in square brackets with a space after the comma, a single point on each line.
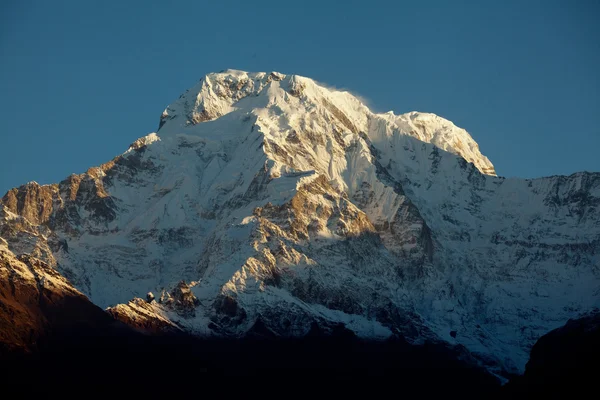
[282, 204]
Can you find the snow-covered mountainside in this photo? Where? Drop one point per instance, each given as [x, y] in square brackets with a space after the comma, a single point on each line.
[267, 199]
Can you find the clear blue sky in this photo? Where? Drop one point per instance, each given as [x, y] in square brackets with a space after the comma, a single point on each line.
[80, 80]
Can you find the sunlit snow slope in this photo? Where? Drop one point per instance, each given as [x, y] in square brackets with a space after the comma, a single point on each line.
[287, 205]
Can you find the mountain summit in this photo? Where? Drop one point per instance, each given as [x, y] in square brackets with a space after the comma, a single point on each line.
[268, 204]
[300, 102]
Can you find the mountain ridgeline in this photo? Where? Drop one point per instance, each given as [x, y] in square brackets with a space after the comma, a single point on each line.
[268, 205]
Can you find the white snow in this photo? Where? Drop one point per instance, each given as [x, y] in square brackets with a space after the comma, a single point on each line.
[211, 199]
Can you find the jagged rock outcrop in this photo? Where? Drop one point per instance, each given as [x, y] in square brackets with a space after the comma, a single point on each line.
[141, 315]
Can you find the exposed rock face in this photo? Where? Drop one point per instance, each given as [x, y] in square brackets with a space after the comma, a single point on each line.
[142, 316]
[32, 201]
[36, 302]
[181, 300]
[290, 206]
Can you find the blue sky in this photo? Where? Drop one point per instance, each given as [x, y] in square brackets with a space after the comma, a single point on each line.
[81, 80]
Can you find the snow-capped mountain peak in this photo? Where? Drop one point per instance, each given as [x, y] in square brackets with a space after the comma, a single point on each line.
[246, 94]
[268, 201]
